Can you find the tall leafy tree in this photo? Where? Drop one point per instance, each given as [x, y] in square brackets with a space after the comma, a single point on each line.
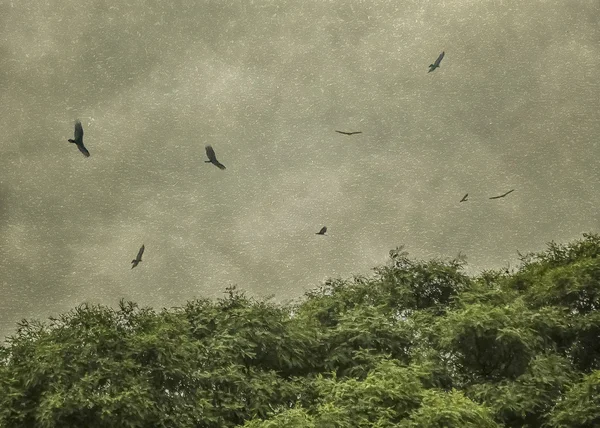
[419, 343]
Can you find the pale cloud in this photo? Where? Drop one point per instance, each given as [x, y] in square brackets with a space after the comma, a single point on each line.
[513, 105]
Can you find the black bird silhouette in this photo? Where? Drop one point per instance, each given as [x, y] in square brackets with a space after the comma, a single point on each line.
[349, 133]
[78, 139]
[436, 64]
[138, 259]
[212, 158]
[464, 199]
[322, 231]
[501, 196]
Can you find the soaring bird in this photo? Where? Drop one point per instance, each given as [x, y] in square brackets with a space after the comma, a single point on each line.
[138, 259]
[322, 231]
[78, 139]
[436, 64]
[464, 199]
[501, 196]
[212, 158]
[349, 133]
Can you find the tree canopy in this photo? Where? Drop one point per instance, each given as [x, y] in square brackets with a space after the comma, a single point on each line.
[416, 344]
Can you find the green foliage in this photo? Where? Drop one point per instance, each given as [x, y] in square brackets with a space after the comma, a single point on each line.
[293, 418]
[495, 342]
[363, 332]
[581, 405]
[449, 410]
[417, 344]
[135, 367]
[528, 399]
[386, 396]
[414, 285]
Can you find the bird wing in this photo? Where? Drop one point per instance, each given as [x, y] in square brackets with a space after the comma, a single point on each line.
[503, 195]
[437, 61]
[139, 256]
[210, 153]
[349, 133]
[78, 131]
[83, 150]
[213, 158]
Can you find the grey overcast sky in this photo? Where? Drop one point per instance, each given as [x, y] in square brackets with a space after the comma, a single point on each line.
[515, 104]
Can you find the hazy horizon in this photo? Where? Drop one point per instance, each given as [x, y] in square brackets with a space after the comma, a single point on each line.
[514, 105]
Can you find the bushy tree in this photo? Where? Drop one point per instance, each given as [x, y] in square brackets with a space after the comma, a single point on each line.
[419, 343]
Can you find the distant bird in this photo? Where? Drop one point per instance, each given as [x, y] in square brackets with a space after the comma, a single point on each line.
[349, 133]
[212, 158]
[138, 259]
[501, 196]
[464, 199]
[322, 231]
[436, 64]
[78, 141]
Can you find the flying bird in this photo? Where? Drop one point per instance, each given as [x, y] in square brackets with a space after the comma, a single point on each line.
[212, 158]
[138, 259]
[464, 199]
[501, 196]
[436, 64]
[322, 231]
[349, 133]
[78, 139]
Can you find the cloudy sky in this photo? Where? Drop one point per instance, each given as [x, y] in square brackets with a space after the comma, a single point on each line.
[515, 104]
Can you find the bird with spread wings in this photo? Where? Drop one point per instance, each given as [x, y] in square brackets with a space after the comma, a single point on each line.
[503, 195]
[78, 139]
[349, 133]
[436, 64]
[212, 158]
[322, 231]
[138, 258]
